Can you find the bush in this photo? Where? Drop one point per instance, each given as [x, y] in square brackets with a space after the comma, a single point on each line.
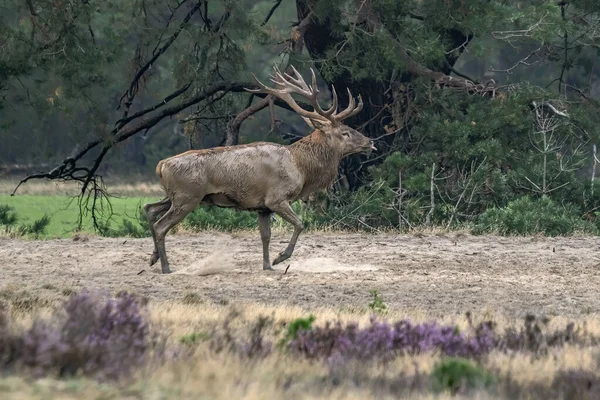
[377, 304]
[526, 216]
[296, 326]
[37, 228]
[107, 339]
[9, 218]
[220, 218]
[456, 374]
[137, 229]
[383, 341]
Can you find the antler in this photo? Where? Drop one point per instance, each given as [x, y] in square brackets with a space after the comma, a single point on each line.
[287, 85]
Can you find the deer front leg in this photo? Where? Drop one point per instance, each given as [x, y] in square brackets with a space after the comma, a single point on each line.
[285, 211]
[153, 212]
[178, 211]
[264, 225]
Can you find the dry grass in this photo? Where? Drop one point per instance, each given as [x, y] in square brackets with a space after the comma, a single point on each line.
[117, 187]
[420, 277]
[225, 376]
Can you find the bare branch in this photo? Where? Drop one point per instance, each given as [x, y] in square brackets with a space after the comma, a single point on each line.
[524, 61]
[133, 86]
[69, 170]
[522, 33]
[442, 79]
[297, 44]
[120, 123]
[271, 11]
[233, 128]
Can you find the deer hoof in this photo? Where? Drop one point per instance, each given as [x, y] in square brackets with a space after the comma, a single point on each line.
[153, 258]
[166, 270]
[268, 268]
[281, 257]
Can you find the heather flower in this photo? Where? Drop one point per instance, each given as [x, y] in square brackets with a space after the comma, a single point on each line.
[382, 341]
[105, 339]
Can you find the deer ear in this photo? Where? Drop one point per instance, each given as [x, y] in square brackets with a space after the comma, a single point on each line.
[318, 124]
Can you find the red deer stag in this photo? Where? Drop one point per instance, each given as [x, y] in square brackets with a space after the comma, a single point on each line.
[263, 177]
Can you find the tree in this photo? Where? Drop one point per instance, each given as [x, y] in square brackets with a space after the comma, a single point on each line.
[421, 66]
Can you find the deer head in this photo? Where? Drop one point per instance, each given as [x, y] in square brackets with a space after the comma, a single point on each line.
[329, 121]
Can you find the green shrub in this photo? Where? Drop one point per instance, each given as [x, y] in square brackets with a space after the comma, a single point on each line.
[526, 216]
[229, 219]
[37, 228]
[194, 338]
[136, 229]
[377, 305]
[297, 325]
[8, 216]
[454, 373]
[220, 218]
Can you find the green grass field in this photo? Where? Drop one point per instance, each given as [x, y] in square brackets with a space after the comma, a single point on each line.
[64, 210]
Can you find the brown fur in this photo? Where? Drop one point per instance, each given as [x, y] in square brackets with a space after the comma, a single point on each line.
[317, 161]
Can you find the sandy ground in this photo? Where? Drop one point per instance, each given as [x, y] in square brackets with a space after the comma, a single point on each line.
[436, 274]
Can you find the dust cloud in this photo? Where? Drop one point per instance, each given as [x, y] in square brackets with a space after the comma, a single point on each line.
[219, 261]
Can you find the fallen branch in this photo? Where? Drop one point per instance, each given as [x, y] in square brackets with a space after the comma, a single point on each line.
[441, 79]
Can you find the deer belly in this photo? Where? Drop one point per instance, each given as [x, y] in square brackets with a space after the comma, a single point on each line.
[225, 201]
[220, 200]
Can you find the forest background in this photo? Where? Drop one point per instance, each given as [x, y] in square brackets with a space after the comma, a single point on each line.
[485, 113]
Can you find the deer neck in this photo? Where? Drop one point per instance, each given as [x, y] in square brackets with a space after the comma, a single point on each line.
[317, 160]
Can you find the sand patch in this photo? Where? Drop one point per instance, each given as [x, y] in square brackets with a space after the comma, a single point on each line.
[438, 274]
[326, 265]
[219, 261]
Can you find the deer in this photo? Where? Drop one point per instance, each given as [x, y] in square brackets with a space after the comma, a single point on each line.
[263, 177]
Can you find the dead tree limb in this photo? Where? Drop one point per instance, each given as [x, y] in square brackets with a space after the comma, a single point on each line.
[233, 128]
[133, 86]
[271, 11]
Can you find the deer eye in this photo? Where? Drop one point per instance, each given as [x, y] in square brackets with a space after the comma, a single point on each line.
[345, 134]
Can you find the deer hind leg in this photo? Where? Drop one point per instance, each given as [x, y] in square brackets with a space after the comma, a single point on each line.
[178, 211]
[264, 225]
[285, 211]
[153, 212]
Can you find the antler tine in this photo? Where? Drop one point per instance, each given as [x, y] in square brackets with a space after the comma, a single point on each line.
[313, 86]
[286, 85]
[311, 92]
[299, 80]
[352, 108]
[351, 105]
[262, 86]
[292, 85]
[329, 112]
[358, 108]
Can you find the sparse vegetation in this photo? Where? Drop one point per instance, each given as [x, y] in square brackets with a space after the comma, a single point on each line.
[107, 339]
[457, 374]
[8, 222]
[192, 298]
[377, 305]
[526, 216]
